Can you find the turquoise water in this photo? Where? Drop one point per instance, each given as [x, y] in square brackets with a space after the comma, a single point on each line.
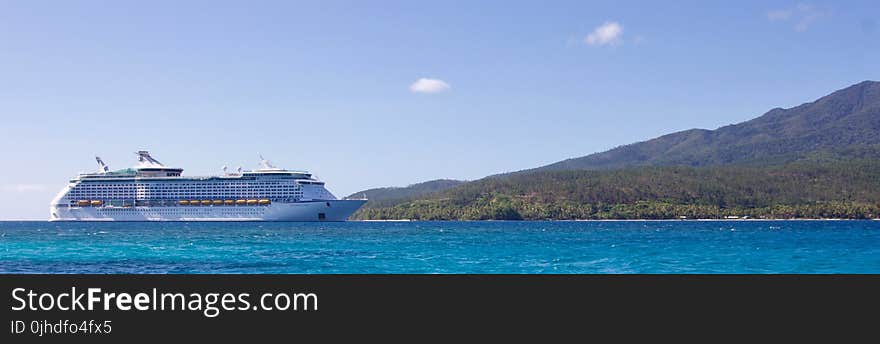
[443, 247]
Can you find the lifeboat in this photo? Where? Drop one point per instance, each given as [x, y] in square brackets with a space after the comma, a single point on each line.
[97, 202]
[240, 202]
[82, 203]
[184, 202]
[217, 202]
[264, 202]
[251, 201]
[194, 202]
[229, 202]
[206, 202]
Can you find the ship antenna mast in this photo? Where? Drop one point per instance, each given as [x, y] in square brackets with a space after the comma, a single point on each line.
[145, 159]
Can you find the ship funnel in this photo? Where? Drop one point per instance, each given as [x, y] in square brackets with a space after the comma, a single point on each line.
[102, 167]
[266, 164]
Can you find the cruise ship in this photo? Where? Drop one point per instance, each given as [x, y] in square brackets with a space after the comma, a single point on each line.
[151, 191]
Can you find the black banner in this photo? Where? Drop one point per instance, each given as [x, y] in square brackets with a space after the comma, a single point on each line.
[114, 308]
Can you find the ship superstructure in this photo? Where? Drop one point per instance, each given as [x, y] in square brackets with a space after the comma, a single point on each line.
[151, 191]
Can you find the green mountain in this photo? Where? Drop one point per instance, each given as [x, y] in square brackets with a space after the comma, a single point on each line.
[819, 159]
[845, 122]
[393, 195]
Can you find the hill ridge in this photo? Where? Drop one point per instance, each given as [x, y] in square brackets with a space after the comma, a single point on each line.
[806, 125]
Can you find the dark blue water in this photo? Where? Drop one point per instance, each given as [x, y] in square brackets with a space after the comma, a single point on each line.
[443, 247]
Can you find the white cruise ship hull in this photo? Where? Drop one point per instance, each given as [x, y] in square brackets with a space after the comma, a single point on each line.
[329, 210]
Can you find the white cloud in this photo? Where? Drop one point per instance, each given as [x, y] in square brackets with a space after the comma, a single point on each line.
[426, 85]
[607, 33]
[24, 187]
[801, 16]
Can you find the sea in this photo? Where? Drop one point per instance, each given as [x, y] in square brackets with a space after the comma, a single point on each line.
[509, 247]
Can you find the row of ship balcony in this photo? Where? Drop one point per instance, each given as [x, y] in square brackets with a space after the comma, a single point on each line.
[183, 202]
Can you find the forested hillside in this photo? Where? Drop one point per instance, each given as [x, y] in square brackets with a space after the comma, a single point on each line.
[794, 190]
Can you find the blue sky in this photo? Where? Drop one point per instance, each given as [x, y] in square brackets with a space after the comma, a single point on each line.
[381, 93]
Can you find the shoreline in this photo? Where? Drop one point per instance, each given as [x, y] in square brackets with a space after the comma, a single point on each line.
[625, 220]
[546, 220]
